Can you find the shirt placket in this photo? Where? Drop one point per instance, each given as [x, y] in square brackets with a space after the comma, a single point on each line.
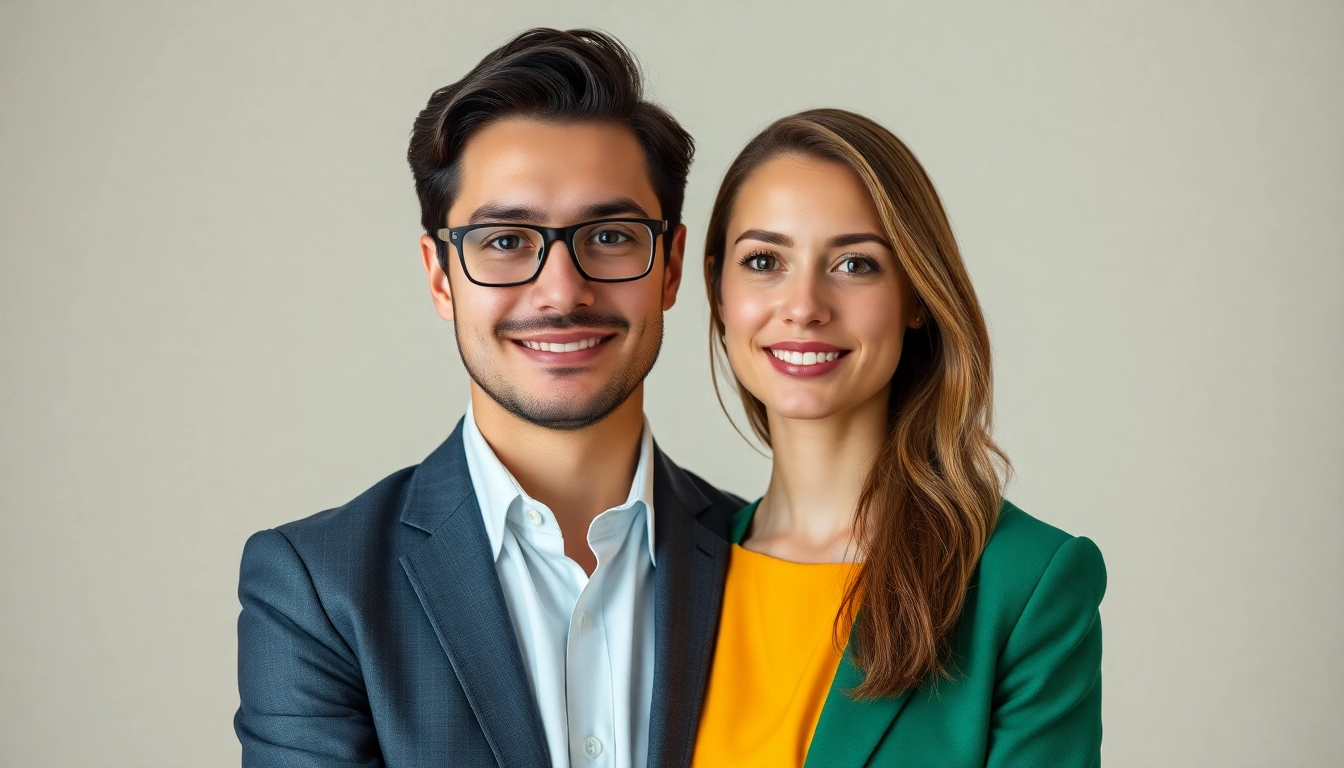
[588, 682]
[534, 522]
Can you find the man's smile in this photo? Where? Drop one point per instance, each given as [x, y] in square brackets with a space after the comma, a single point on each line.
[567, 347]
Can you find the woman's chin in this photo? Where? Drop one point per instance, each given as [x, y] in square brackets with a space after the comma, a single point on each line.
[805, 410]
[820, 406]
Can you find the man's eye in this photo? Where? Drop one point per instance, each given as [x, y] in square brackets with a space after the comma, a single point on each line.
[507, 242]
[857, 265]
[610, 237]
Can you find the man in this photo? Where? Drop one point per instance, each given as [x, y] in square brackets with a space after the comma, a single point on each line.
[544, 589]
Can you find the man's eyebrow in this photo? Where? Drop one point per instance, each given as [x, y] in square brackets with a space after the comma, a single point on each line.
[518, 214]
[765, 236]
[840, 241]
[620, 206]
[505, 213]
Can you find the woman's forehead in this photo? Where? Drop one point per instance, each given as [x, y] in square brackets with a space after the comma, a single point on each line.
[805, 200]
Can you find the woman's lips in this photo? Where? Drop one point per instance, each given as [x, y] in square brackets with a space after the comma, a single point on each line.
[804, 358]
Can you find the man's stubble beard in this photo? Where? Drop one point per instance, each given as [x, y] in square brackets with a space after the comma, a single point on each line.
[567, 416]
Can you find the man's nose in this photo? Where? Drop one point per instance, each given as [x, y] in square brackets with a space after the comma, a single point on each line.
[560, 288]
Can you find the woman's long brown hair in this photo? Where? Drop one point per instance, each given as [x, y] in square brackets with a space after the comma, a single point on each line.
[932, 497]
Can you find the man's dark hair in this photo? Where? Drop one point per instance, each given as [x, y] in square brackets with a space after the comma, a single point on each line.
[562, 77]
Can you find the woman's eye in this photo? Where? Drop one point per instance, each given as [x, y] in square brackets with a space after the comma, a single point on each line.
[760, 262]
[857, 265]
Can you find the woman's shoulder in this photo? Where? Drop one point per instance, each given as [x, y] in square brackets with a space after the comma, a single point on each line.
[1025, 554]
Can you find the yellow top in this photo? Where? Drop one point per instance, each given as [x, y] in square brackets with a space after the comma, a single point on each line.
[774, 661]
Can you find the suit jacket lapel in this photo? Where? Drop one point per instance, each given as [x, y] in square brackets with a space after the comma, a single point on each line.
[453, 574]
[848, 731]
[688, 590]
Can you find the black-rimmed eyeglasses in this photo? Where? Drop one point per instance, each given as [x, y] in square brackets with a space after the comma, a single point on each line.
[503, 255]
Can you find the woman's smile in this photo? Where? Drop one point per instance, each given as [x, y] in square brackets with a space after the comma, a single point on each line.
[804, 358]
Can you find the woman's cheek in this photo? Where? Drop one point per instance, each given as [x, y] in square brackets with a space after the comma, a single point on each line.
[876, 321]
[744, 316]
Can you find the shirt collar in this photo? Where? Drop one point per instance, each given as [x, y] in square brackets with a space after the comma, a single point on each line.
[496, 489]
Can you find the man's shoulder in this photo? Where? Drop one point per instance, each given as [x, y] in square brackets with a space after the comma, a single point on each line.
[348, 543]
[720, 506]
[717, 496]
[332, 555]
[378, 507]
[376, 516]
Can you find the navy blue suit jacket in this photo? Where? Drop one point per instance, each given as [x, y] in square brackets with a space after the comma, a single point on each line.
[376, 634]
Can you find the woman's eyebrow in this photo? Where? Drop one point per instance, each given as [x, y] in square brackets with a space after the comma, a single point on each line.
[765, 236]
[840, 241]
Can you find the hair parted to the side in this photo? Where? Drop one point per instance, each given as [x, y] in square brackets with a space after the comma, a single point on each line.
[553, 76]
[932, 496]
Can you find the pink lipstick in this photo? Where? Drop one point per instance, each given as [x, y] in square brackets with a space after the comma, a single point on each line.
[804, 358]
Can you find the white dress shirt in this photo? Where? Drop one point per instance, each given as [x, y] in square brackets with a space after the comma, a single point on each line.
[587, 642]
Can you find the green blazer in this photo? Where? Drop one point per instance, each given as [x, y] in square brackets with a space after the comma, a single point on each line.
[1026, 659]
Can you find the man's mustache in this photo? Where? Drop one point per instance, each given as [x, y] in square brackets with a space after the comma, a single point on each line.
[586, 320]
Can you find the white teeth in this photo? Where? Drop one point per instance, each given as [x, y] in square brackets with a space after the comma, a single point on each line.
[804, 358]
[573, 346]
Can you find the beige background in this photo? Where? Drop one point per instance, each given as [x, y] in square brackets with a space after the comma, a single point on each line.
[213, 320]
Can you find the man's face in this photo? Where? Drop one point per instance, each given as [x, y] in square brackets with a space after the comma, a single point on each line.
[527, 172]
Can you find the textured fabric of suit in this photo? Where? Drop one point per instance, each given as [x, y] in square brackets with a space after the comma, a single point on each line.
[376, 634]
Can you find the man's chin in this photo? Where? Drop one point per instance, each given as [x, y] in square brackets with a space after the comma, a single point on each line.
[558, 397]
[563, 405]
[560, 416]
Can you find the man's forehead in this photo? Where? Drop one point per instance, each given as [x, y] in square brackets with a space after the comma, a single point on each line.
[542, 170]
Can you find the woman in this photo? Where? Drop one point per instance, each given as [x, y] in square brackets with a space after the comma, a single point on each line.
[884, 605]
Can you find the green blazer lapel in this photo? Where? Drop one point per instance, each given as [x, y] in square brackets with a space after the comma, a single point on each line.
[848, 731]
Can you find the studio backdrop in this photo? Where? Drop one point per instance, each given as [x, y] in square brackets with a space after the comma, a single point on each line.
[213, 320]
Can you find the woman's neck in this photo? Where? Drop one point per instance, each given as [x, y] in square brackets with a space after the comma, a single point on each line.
[820, 465]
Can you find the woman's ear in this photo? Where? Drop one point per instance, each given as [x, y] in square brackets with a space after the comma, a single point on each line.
[920, 316]
[439, 290]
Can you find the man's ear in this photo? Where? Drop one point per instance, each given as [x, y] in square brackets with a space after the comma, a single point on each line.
[439, 290]
[672, 270]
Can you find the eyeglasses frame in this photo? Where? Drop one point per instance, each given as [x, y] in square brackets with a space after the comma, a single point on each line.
[549, 236]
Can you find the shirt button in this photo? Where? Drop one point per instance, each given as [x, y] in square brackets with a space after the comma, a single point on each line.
[533, 516]
[592, 747]
[584, 624]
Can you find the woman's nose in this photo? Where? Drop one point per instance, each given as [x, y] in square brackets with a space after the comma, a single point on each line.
[805, 301]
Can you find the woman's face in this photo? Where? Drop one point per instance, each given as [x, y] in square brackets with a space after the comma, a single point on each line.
[815, 306]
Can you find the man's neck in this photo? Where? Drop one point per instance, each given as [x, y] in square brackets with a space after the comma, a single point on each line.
[577, 473]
